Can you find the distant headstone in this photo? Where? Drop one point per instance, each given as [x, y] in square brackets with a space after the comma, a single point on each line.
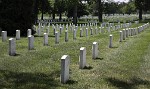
[121, 36]
[81, 32]
[39, 32]
[4, 36]
[56, 37]
[54, 31]
[127, 32]
[91, 31]
[17, 34]
[30, 42]
[110, 41]
[82, 58]
[45, 39]
[47, 30]
[60, 30]
[66, 36]
[86, 32]
[124, 34]
[12, 47]
[29, 32]
[95, 50]
[74, 34]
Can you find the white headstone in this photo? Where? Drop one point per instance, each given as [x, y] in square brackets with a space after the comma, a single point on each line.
[29, 32]
[81, 32]
[124, 34]
[17, 34]
[31, 42]
[56, 37]
[121, 36]
[12, 47]
[60, 30]
[96, 30]
[82, 58]
[4, 36]
[66, 36]
[110, 41]
[127, 32]
[47, 30]
[54, 30]
[74, 34]
[131, 31]
[95, 50]
[65, 62]
[91, 31]
[39, 32]
[45, 42]
[86, 32]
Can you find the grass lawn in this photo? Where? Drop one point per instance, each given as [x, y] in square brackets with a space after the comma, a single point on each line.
[125, 66]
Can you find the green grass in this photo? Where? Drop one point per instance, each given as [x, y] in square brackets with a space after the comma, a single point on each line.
[125, 66]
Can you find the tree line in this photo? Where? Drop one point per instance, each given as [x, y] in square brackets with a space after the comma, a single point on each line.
[22, 14]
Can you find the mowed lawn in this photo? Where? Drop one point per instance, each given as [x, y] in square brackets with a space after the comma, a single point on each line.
[125, 66]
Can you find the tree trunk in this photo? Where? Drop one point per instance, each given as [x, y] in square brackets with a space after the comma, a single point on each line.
[75, 15]
[100, 12]
[140, 14]
[60, 16]
[53, 14]
[35, 10]
[42, 10]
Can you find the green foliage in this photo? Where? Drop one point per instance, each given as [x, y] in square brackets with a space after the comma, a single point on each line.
[129, 8]
[82, 10]
[16, 14]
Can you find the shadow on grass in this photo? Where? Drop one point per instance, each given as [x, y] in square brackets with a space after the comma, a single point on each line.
[114, 47]
[51, 36]
[99, 58]
[71, 82]
[17, 80]
[38, 36]
[132, 84]
[88, 67]
[17, 54]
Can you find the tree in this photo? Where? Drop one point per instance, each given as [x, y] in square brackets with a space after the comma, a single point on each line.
[60, 8]
[44, 7]
[72, 4]
[100, 11]
[17, 14]
[140, 5]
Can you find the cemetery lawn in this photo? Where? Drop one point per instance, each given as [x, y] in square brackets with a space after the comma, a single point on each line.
[125, 66]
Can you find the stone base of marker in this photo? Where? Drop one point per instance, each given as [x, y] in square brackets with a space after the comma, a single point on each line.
[95, 50]
[82, 58]
[65, 62]
[12, 47]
